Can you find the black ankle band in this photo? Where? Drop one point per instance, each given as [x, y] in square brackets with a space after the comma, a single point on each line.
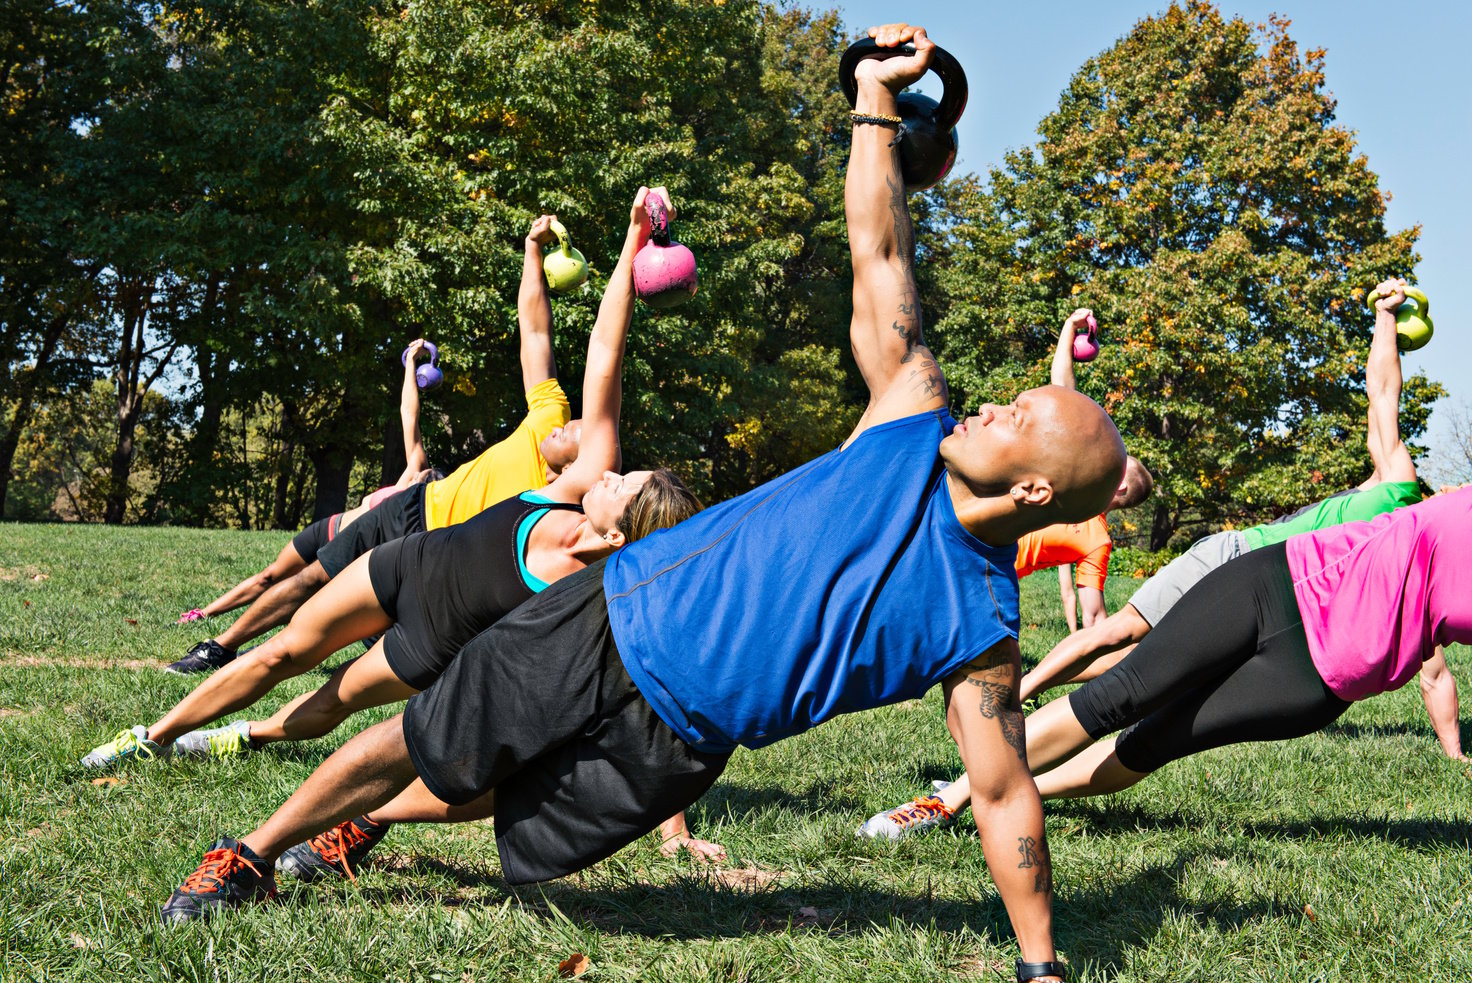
[1031, 971]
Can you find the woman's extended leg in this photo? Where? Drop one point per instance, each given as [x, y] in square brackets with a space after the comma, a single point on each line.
[365, 682]
[341, 613]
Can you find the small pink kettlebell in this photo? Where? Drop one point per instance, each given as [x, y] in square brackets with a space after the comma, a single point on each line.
[664, 270]
[1086, 344]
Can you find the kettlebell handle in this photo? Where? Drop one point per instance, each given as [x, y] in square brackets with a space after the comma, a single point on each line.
[659, 218]
[560, 231]
[429, 349]
[1412, 293]
[942, 63]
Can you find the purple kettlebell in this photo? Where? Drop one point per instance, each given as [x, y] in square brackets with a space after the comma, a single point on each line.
[664, 270]
[1086, 345]
[427, 375]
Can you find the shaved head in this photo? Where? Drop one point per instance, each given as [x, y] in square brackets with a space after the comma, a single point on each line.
[1051, 455]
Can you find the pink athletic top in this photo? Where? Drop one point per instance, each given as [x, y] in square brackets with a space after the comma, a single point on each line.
[381, 494]
[1378, 596]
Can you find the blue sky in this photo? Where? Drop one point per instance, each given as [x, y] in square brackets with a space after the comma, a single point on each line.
[1399, 74]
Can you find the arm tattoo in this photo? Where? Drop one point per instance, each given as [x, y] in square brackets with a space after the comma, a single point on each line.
[999, 699]
[908, 324]
[1035, 857]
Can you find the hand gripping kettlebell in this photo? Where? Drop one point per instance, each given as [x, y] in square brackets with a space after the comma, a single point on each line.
[427, 375]
[1412, 319]
[664, 270]
[1086, 342]
[928, 135]
[564, 267]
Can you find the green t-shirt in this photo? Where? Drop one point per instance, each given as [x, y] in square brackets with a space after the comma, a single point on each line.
[1350, 506]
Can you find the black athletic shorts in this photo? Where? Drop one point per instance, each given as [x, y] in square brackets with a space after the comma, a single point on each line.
[310, 540]
[539, 708]
[394, 518]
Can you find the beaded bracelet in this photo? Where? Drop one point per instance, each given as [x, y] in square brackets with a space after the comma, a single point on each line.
[879, 119]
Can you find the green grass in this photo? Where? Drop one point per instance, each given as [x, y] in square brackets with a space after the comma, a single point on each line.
[1343, 856]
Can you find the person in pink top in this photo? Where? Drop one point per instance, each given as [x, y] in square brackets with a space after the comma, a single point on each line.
[1274, 645]
[302, 549]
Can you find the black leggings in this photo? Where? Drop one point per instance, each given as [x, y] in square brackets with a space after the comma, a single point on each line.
[1228, 664]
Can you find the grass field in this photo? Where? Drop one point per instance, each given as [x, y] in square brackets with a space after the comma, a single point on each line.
[1343, 856]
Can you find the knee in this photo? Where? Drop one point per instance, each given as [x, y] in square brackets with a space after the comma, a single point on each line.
[277, 658]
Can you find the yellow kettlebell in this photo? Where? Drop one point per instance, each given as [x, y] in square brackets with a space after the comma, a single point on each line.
[1412, 319]
[564, 266]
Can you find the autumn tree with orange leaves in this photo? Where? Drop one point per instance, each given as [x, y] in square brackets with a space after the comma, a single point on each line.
[1193, 189]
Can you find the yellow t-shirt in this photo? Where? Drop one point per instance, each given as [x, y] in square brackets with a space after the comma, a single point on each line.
[504, 469]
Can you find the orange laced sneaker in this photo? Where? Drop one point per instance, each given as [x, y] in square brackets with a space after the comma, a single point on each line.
[336, 851]
[920, 813]
[230, 875]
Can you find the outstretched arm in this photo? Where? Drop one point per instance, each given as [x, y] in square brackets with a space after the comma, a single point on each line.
[985, 718]
[1383, 384]
[1062, 372]
[534, 309]
[598, 449]
[901, 373]
[414, 453]
[1439, 690]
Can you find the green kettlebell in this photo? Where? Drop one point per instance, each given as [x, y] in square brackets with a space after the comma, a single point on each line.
[564, 266]
[1412, 319]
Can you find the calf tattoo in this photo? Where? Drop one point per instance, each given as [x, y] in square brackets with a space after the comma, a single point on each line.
[1035, 858]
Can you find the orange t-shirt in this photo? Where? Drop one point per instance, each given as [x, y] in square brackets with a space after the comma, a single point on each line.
[1084, 543]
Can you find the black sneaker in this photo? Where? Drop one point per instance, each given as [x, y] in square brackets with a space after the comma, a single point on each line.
[336, 851]
[204, 657]
[230, 875]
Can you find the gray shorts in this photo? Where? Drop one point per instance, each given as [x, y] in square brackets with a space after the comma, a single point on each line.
[1161, 592]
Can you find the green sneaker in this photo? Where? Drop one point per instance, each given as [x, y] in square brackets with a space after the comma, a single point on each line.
[132, 743]
[230, 741]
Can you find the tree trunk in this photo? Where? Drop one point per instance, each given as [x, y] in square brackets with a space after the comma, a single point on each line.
[284, 472]
[394, 461]
[25, 401]
[134, 300]
[333, 466]
[1162, 526]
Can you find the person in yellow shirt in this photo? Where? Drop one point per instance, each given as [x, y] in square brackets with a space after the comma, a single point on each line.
[537, 451]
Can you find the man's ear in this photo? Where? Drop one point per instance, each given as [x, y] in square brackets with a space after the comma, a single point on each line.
[1035, 492]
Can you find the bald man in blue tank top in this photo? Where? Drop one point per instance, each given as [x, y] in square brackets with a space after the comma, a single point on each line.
[614, 698]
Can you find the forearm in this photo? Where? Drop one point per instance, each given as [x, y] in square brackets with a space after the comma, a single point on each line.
[1068, 658]
[1440, 696]
[534, 320]
[1062, 370]
[602, 387]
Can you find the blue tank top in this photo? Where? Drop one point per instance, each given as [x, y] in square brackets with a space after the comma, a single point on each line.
[845, 584]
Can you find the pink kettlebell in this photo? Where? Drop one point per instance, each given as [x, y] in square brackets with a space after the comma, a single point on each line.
[664, 270]
[1086, 345]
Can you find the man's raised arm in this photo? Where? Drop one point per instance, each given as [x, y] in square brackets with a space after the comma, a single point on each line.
[534, 309]
[902, 375]
[1383, 384]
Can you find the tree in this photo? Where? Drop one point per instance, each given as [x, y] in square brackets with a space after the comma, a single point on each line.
[1193, 189]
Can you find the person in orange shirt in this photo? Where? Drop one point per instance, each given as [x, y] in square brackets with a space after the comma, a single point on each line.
[1066, 545]
[536, 452]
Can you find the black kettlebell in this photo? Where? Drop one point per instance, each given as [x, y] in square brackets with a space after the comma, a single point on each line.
[928, 147]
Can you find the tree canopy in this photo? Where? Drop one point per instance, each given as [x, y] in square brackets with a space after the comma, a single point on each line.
[249, 207]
